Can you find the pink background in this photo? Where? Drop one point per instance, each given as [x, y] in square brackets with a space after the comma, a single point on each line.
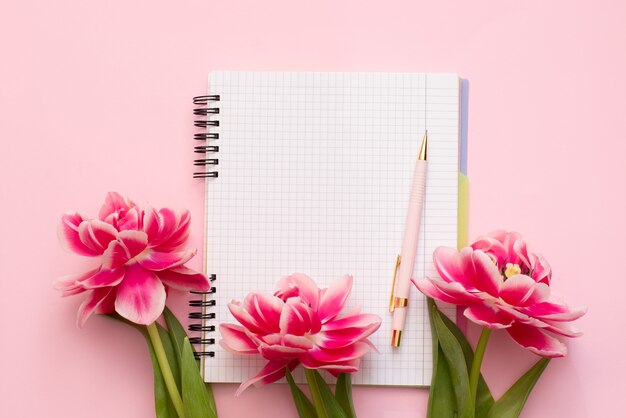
[96, 96]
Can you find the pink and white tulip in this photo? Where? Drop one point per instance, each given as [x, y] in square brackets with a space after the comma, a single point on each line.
[139, 256]
[299, 324]
[504, 286]
[509, 249]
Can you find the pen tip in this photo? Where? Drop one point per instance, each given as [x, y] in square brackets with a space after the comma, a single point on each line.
[423, 155]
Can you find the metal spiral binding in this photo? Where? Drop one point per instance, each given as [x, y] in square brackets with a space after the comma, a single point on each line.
[203, 303]
[206, 109]
[203, 315]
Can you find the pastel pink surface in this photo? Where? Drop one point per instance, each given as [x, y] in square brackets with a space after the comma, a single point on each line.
[96, 97]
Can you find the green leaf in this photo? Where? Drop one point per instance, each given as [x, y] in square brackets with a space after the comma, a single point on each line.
[178, 335]
[443, 404]
[441, 400]
[177, 332]
[194, 393]
[511, 403]
[303, 404]
[172, 358]
[325, 403]
[484, 400]
[173, 346]
[453, 354]
[343, 394]
[162, 402]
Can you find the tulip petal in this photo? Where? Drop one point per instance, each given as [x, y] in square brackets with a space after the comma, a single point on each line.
[180, 234]
[114, 202]
[150, 223]
[96, 234]
[334, 298]
[446, 292]
[272, 371]
[69, 237]
[295, 318]
[244, 317]
[90, 305]
[168, 221]
[301, 285]
[334, 369]
[129, 220]
[371, 344]
[487, 277]
[157, 260]
[296, 341]
[71, 291]
[280, 352]
[183, 278]
[450, 264]
[507, 239]
[492, 247]
[520, 316]
[427, 287]
[521, 290]
[541, 271]
[272, 339]
[488, 316]
[140, 296]
[71, 284]
[107, 305]
[343, 337]
[541, 292]
[342, 354]
[105, 278]
[562, 328]
[134, 241]
[265, 309]
[500, 235]
[115, 255]
[521, 251]
[235, 340]
[554, 311]
[360, 321]
[536, 341]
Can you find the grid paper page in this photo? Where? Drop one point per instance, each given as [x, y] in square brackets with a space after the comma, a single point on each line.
[314, 177]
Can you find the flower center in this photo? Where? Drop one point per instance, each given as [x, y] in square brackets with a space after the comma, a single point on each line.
[512, 270]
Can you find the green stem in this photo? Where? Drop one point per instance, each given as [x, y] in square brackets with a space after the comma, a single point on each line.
[478, 359]
[315, 392]
[168, 377]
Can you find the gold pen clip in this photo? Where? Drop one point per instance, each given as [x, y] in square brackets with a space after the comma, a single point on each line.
[393, 285]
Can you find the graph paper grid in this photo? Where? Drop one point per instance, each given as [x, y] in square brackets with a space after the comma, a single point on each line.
[314, 177]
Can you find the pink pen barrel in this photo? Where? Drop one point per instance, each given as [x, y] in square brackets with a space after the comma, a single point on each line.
[409, 249]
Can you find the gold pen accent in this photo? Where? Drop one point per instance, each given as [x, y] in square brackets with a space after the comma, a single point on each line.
[423, 155]
[393, 285]
[395, 302]
[396, 337]
[399, 302]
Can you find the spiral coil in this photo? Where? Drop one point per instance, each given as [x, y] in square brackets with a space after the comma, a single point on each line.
[203, 315]
[203, 302]
[206, 108]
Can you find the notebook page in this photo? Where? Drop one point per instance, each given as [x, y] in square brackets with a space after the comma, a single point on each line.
[314, 176]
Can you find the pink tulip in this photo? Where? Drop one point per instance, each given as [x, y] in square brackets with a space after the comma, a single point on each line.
[509, 247]
[140, 257]
[299, 324]
[504, 286]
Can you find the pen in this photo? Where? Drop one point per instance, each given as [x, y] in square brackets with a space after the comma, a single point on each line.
[405, 262]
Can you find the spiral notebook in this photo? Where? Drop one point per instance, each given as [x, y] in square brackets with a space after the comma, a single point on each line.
[310, 172]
